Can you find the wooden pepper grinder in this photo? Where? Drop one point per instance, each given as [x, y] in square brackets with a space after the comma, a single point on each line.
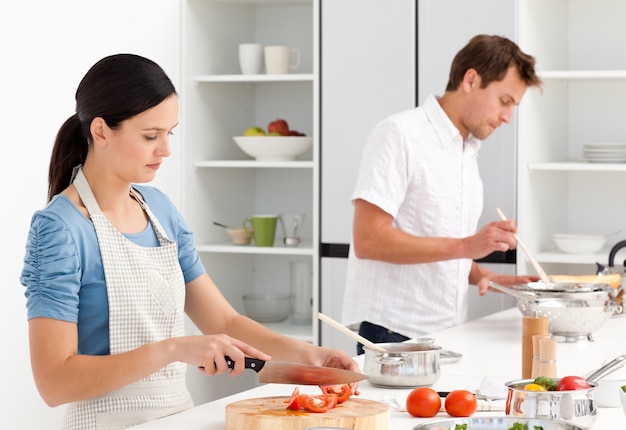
[547, 357]
[536, 366]
[531, 326]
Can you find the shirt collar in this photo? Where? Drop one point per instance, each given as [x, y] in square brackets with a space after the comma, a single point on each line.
[444, 127]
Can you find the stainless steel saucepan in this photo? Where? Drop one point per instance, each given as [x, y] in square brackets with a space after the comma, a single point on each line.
[402, 365]
[572, 406]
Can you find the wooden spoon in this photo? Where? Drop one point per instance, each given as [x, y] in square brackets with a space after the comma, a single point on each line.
[542, 274]
[345, 330]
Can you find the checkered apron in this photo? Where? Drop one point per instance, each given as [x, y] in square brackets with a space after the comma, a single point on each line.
[146, 292]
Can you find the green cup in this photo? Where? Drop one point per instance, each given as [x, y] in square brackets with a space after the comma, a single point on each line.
[263, 228]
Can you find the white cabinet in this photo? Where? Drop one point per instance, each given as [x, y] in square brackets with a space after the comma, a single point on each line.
[221, 183]
[368, 58]
[367, 74]
[579, 48]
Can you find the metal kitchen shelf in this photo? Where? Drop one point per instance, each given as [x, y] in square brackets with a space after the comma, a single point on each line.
[254, 164]
[578, 166]
[254, 79]
[305, 248]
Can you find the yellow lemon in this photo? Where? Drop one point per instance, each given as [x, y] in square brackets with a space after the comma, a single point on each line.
[534, 387]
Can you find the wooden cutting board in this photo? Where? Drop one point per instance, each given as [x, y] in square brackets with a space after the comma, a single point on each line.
[270, 413]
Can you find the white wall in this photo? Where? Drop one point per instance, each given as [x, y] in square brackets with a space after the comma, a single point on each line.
[46, 49]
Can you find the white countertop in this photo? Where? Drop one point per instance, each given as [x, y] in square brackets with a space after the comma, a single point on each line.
[491, 347]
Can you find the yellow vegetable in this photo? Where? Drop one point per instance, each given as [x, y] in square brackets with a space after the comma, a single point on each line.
[534, 387]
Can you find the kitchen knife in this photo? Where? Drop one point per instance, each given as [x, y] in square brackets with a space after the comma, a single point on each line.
[280, 372]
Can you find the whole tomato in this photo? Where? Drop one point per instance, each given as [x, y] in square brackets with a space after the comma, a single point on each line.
[460, 403]
[568, 383]
[423, 402]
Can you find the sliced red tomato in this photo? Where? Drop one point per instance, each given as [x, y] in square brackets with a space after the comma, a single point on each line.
[568, 383]
[342, 391]
[321, 403]
[295, 404]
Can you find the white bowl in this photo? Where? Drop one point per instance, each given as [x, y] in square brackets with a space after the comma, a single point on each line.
[607, 393]
[579, 243]
[274, 148]
[267, 307]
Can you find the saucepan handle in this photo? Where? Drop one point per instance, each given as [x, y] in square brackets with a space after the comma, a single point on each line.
[609, 367]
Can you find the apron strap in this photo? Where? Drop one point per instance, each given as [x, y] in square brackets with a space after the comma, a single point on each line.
[84, 191]
[153, 219]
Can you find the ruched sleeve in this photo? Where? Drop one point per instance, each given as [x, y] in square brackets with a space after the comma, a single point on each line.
[51, 272]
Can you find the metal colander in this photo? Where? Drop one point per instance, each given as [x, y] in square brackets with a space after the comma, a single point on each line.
[574, 310]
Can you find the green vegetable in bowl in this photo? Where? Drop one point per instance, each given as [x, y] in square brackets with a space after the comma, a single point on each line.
[520, 426]
[460, 427]
[549, 384]
[624, 388]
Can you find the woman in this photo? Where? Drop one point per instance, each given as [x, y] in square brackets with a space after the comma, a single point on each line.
[110, 267]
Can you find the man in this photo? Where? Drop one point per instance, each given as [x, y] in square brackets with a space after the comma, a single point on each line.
[419, 196]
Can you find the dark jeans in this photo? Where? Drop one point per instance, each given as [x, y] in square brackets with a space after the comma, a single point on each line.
[377, 334]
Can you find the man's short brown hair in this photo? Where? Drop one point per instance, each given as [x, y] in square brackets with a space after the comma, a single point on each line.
[491, 57]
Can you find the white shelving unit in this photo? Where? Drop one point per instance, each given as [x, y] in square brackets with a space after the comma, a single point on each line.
[579, 46]
[220, 182]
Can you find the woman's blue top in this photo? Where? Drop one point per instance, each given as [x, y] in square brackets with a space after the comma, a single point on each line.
[63, 272]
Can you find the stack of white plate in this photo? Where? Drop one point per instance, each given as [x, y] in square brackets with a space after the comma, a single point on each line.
[605, 152]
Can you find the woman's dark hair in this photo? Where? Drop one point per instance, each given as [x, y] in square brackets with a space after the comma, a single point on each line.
[116, 88]
[491, 57]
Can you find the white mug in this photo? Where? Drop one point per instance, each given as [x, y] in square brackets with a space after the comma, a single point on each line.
[278, 59]
[251, 58]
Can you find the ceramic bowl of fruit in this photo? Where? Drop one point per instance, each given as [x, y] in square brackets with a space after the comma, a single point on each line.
[273, 148]
[278, 143]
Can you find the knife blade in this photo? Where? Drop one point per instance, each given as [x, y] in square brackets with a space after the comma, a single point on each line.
[280, 372]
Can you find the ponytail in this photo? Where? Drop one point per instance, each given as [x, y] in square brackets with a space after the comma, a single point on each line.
[70, 150]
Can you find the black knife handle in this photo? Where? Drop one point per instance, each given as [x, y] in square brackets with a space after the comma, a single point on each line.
[250, 363]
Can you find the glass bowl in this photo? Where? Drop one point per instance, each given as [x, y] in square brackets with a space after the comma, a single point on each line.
[267, 307]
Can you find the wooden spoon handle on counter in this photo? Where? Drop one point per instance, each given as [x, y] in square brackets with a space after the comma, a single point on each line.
[542, 274]
[345, 330]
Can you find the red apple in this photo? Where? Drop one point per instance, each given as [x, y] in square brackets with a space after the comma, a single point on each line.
[278, 126]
